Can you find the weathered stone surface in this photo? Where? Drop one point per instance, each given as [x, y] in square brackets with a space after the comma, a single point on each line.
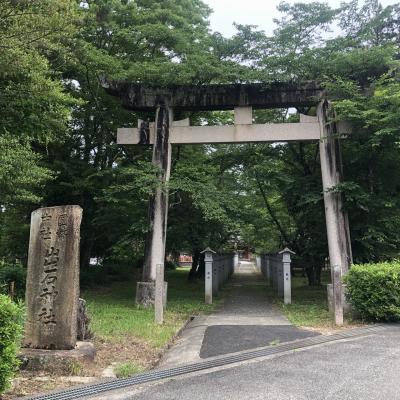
[347, 308]
[217, 97]
[158, 208]
[158, 205]
[83, 329]
[52, 288]
[146, 293]
[58, 361]
[337, 223]
[285, 132]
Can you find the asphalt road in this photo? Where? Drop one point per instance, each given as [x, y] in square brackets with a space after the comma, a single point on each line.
[247, 319]
[362, 369]
[224, 339]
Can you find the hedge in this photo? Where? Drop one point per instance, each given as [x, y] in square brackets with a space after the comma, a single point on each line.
[374, 290]
[11, 326]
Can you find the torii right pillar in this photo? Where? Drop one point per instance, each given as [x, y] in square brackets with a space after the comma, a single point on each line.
[337, 224]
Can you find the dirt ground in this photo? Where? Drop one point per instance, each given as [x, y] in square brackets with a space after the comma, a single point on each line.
[330, 330]
[107, 353]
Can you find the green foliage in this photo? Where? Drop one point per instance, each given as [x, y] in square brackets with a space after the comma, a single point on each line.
[34, 108]
[11, 317]
[128, 369]
[170, 265]
[21, 176]
[13, 272]
[58, 127]
[360, 70]
[374, 290]
[158, 42]
[33, 104]
[93, 276]
[372, 188]
[102, 275]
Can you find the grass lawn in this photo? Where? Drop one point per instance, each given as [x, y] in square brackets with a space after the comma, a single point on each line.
[309, 306]
[120, 326]
[125, 335]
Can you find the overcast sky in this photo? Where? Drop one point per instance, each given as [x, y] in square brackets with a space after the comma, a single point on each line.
[253, 12]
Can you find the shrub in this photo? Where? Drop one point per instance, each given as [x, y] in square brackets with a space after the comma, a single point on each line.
[374, 290]
[121, 272]
[170, 265]
[13, 272]
[103, 275]
[93, 276]
[11, 322]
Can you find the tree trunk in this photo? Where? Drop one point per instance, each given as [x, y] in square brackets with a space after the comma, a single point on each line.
[313, 272]
[86, 251]
[195, 263]
[201, 271]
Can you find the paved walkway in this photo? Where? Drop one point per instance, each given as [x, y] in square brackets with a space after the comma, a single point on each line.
[246, 319]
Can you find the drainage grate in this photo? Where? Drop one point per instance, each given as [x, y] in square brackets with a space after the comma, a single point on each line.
[155, 375]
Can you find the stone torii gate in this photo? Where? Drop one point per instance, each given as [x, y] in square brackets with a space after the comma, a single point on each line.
[241, 98]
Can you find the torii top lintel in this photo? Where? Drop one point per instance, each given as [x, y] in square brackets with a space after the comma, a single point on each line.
[140, 97]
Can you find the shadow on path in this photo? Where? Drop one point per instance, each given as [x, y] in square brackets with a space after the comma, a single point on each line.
[247, 319]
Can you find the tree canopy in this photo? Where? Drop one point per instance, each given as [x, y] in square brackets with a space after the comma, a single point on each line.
[58, 126]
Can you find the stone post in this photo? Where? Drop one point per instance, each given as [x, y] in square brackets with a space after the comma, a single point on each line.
[346, 305]
[236, 260]
[258, 263]
[159, 295]
[208, 259]
[287, 278]
[338, 294]
[279, 275]
[52, 286]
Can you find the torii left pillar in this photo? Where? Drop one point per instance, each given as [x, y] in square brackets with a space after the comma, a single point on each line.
[158, 206]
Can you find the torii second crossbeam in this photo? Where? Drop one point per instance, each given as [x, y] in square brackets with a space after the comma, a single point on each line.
[243, 131]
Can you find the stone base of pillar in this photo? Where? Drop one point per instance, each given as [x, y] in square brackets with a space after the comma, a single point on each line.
[146, 293]
[62, 362]
[347, 308]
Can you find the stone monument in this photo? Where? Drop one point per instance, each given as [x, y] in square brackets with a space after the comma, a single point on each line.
[52, 289]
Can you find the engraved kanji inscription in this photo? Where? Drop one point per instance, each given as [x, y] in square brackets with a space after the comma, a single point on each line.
[46, 216]
[62, 230]
[46, 316]
[49, 278]
[52, 257]
[48, 294]
[45, 232]
[48, 291]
